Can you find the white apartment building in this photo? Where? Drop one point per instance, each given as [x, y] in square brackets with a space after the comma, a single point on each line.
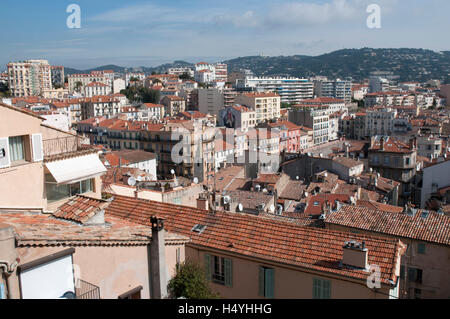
[96, 88]
[380, 121]
[338, 89]
[266, 105]
[291, 90]
[330, 105]
[221, 72]
[315, 117]
[137, 75]
[107, 106]
[77, 82]
[29, 78]
[150, 111]
[118, 85]
[181, 71]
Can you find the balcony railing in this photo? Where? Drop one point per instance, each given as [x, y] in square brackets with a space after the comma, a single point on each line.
[86, 290]
[61, 145]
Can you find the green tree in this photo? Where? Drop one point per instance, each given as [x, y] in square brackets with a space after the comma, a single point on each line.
[185, 76]
[78, 86]
[190, 283]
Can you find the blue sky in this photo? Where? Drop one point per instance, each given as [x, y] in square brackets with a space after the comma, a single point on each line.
[148, 33]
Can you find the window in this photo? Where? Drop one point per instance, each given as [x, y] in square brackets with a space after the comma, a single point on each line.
[417, 293]
[266, 282]
[321, 289]
[58, 192]
[16, 149]
[415, 275]
[386, 160]
[421, 248]
[407, 161]
[219, 270]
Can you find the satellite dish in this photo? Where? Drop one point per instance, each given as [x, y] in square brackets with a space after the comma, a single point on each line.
[132, 181]
[297, 178]
[272, 209]
[139, 178]
[265, 190]
[195, 180]
[258, 187]
[240, 208]
[172, 171]
[226, 199]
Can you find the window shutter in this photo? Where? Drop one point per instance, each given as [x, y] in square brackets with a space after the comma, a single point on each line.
[261, 281]
[4, 153]
[270, 282]
[316, 288]
[228, 272]
[38, 151]
[326, 289]
[208, 266]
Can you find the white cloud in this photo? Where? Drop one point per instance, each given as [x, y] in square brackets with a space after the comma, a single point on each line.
[248, 19]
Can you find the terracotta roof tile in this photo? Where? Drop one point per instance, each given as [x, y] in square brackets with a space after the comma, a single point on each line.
[267, 239]
[80, 209]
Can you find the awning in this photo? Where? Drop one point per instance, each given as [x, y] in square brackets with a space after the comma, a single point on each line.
[76, 169]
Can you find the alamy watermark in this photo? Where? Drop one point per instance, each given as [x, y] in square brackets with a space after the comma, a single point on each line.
[374, 19]
[74, 19]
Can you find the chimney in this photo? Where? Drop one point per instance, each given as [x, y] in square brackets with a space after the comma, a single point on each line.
[355, 254]
[382, 143]
[202, 203]
[158, 260]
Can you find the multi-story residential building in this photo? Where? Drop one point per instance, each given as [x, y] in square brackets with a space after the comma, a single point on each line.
[136, 75]
[180, 71]
[55, 160]
[429, 146]
[389, 99]
[204, 76]
[173, 105]
[315, 117]
[337, 270]
[150, 111]
[77, 82]
[142, 160]
[210, 101]
[29, 78]
[96, 89]
[118, 85]
[425, 268]
[360, 126]
[266, 105]
[264, 149]
[379, 121]
[237, 117]
[107, 105]
[378, 84]
[332, 105]
[434, 179]
[338, 89]
[221, 72]
[58, 77]
[193, 140]
[395, 160]
[291, 90]
[290, 135]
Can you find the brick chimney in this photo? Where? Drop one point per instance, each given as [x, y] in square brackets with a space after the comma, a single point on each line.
[202, 203]
[158, 268]
[355, 254]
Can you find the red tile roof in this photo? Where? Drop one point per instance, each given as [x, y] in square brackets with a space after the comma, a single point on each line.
[315, 203]
[80, 209]
[391, 145]
[270, 240]
[434, 228]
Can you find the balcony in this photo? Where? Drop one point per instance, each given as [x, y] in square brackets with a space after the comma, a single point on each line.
[86, 290]
[58, 146]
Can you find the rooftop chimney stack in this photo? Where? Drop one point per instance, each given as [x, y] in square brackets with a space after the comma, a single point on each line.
[382, 143]
[158, 259]
[355, 254]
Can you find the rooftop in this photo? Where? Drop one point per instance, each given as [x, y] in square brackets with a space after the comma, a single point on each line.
[267, 239]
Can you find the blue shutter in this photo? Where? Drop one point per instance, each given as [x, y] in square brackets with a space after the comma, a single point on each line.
[208, 266]
[269, 284]
[261, 281]
[228, 272]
